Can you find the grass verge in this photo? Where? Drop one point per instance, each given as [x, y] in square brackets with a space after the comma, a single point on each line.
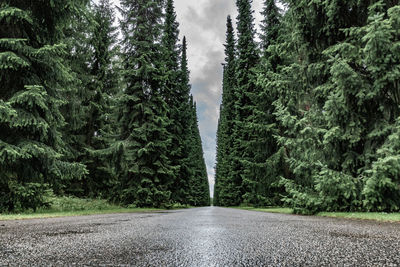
[71, 206]
[376, 216]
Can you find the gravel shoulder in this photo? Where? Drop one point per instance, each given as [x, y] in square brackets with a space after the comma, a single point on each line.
[208, 236]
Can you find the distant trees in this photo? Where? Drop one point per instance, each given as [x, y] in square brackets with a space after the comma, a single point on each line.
[226, 191]
[324, 117]
[82, 114]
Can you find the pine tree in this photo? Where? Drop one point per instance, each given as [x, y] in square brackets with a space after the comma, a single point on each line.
[177, 98]
[99, 119]
[363, 67]
[199, 187]
[270, 25]
[31, 68]
[224, 187]
[245, 92]
[78, 58]
[146, 172]
[218, 159]
[302, 96]
[265, 166]
[331, 137]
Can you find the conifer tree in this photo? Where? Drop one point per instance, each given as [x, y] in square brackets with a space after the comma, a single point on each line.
[177, 98]
[218, 160]
[224, 186]
[33, 78]
[265, 167]
[331, 138]
[77, 40]
[146, 173]
[199, 187]
[245, 92]
[362, 71]
[102, 90]
[270, 24]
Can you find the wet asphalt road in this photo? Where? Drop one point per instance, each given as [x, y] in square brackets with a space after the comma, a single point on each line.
[199, 237]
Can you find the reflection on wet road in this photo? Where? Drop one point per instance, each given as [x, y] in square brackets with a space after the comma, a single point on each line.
[208, 236]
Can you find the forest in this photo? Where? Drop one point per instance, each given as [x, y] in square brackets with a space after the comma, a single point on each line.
[95, 105]
[94, 110]
[310, 115]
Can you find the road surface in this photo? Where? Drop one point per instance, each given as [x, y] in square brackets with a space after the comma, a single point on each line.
[208, 236]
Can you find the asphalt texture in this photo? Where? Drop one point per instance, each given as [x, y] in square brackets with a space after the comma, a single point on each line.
[208, 236]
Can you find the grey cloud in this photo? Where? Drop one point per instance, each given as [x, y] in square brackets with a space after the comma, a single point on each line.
[204, 24]
[211, 17]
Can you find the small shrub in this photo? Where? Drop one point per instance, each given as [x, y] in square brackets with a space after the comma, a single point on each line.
[17, 197]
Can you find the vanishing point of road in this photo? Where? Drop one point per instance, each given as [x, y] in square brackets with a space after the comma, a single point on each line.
[208, 236]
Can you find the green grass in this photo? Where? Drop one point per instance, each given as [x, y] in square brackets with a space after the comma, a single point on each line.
[376, 216]
[71, 206]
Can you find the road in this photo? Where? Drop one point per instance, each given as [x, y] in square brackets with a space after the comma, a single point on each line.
[208, 236]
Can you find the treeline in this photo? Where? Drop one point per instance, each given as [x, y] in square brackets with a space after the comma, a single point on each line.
[310, 116]
[83, 113]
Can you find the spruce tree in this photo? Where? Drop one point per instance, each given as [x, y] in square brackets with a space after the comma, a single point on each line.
[245, 91]
[77, 39]
[331, 137]
[102, 90]
[199, 187]
[31, 68]
[225, 188]
[270, 24]
[265, 166]
[363, 67]
[177, 98]
[302, 96]
[146, 173]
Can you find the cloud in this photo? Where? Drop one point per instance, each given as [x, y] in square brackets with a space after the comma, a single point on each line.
[203, 22]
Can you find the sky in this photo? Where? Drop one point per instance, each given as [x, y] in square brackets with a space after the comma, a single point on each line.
[203, 22]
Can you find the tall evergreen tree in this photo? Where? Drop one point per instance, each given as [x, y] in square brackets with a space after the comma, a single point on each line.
[32, 78]
[264, 168]
[331, 138]
[270, 24]
[177, 97]
[245, 92]
[224, 187]
[103, 88]
[199, 187]
[146, 174]
[77, 39]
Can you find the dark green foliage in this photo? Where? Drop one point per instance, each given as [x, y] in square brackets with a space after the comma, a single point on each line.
[271, 24]
[193, 159]
[91, 40]
[225, 191]
[32, 78]
[102, 90]
[323, 121]
[245, 92]
[199, 187]
[339, 115]
[176, 93]
[265, 166]
[19, 197]
[147, 173]
[80, 115]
